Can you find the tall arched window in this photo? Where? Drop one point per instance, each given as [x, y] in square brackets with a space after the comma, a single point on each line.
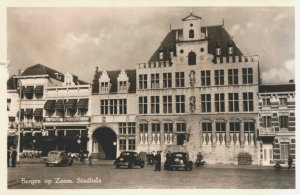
[191, 33]
[192, 58]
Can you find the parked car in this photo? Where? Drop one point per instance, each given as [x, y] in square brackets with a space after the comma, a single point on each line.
[178, 160]
[129, 159]
[58, 158]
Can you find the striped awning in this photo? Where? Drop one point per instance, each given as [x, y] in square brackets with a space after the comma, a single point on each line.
[71, 104]
[28, 90]
[49, 105]
[38, 112]
[83, 104]
[28, 112]
[39, 89]
[60, 105]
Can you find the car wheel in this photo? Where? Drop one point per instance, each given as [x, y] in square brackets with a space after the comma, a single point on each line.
[47, 165]
[130, 166]
[142, 165]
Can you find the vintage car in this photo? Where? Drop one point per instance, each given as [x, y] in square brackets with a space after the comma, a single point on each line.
[58, 158]
[129, 159]
[178, 160]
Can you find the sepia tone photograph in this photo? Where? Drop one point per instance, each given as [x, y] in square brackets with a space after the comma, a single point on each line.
[151, 98]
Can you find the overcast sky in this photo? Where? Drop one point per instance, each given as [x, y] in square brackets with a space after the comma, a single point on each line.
[76, 40]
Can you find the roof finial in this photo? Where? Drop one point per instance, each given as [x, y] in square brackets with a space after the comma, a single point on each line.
[170, 27]
[223, 22]
[191, 11]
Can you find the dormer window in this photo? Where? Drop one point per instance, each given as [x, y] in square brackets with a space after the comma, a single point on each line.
[192, 58]
[161, 55]
[58, 76]
[191, 34]
[104, 87]
[230, 50]
[123, 86]
[123, 82]
[68, 79]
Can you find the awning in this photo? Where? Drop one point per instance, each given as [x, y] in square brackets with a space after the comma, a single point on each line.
[83, 104]
[28, 112]
[49, 105]
[60, 105]
[28, 90]
[38, 112]
[71, 104]
[39, 89]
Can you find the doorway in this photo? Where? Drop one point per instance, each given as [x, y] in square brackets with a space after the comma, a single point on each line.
[104, 143]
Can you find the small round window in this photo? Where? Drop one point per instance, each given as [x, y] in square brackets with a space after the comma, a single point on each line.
[202, 49]
[181, 51]
[191, 25]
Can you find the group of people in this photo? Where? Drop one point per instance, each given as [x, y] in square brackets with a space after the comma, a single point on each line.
[11, 156]
[154, 158]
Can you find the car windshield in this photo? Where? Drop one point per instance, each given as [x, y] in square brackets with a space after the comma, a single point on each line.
[53, 153]
[179, 155]
[127, 154]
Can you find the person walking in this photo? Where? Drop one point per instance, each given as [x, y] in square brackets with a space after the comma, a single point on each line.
[8, 157]
[158, 161]
[290, 161]
[90, 160]
[13, 157]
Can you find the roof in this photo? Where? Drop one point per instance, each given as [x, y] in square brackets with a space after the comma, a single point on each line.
[215, 34]
[113, 75]
[40, 69]
[264, 88]
[12, 83]
[192, 16]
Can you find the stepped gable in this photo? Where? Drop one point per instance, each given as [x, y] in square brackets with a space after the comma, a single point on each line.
[215, 34]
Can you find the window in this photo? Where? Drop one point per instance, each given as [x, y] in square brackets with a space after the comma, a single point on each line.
[123, 106]
[234, 127]
[220, 127]
[142, 81]
[206, 127]
[179, 79]
[131, 128]
[219, 77]
[233, 99]
[180, 103]
[113, 106]
[284, 151]
[104, 87]
[218, 51]
[192, 58]
[219, 102]
[191, 34]
[168, 127]
[266, 121]
[248, 101]
[233, 78]
[181, 127]
[8, 104]
[154, 104]
[247, 75]
[282, 101]
[155, 127]
[104, 106]
[167, 103]
[154, 81]
[122, 144]
[205, 78]
[248, 127]
[122, 128]
[205, 102]
[123, 86]
[131, 144]
[266, 101]
[143, 105]
[167, 80]
[144, 128]
[283, 121]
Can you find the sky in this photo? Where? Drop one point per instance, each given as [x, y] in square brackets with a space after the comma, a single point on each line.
[76, 40]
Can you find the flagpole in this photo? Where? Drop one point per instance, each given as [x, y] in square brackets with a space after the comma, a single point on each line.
[19, 126]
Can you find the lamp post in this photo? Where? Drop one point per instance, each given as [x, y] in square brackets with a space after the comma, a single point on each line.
[19, 125]
[33, 145]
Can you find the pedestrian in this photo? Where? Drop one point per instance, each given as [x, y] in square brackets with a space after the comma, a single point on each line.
[8, 157]
[157, 158]
[13, 157]
[90, 160]
[290, 161]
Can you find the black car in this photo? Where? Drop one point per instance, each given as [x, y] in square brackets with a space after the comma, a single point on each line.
[129, 159]
[178, 160]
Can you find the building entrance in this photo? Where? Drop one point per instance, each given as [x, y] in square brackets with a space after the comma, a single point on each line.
[104, 144]
[180, 139]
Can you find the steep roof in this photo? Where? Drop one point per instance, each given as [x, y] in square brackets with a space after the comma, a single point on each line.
[264, 88]
[113, 75]
[215, 34]
[40, 69]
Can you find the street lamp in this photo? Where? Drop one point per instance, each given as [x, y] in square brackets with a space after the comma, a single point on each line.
[19, 125]
[33, 144]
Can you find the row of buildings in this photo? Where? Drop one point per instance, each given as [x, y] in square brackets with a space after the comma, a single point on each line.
[197, 93]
